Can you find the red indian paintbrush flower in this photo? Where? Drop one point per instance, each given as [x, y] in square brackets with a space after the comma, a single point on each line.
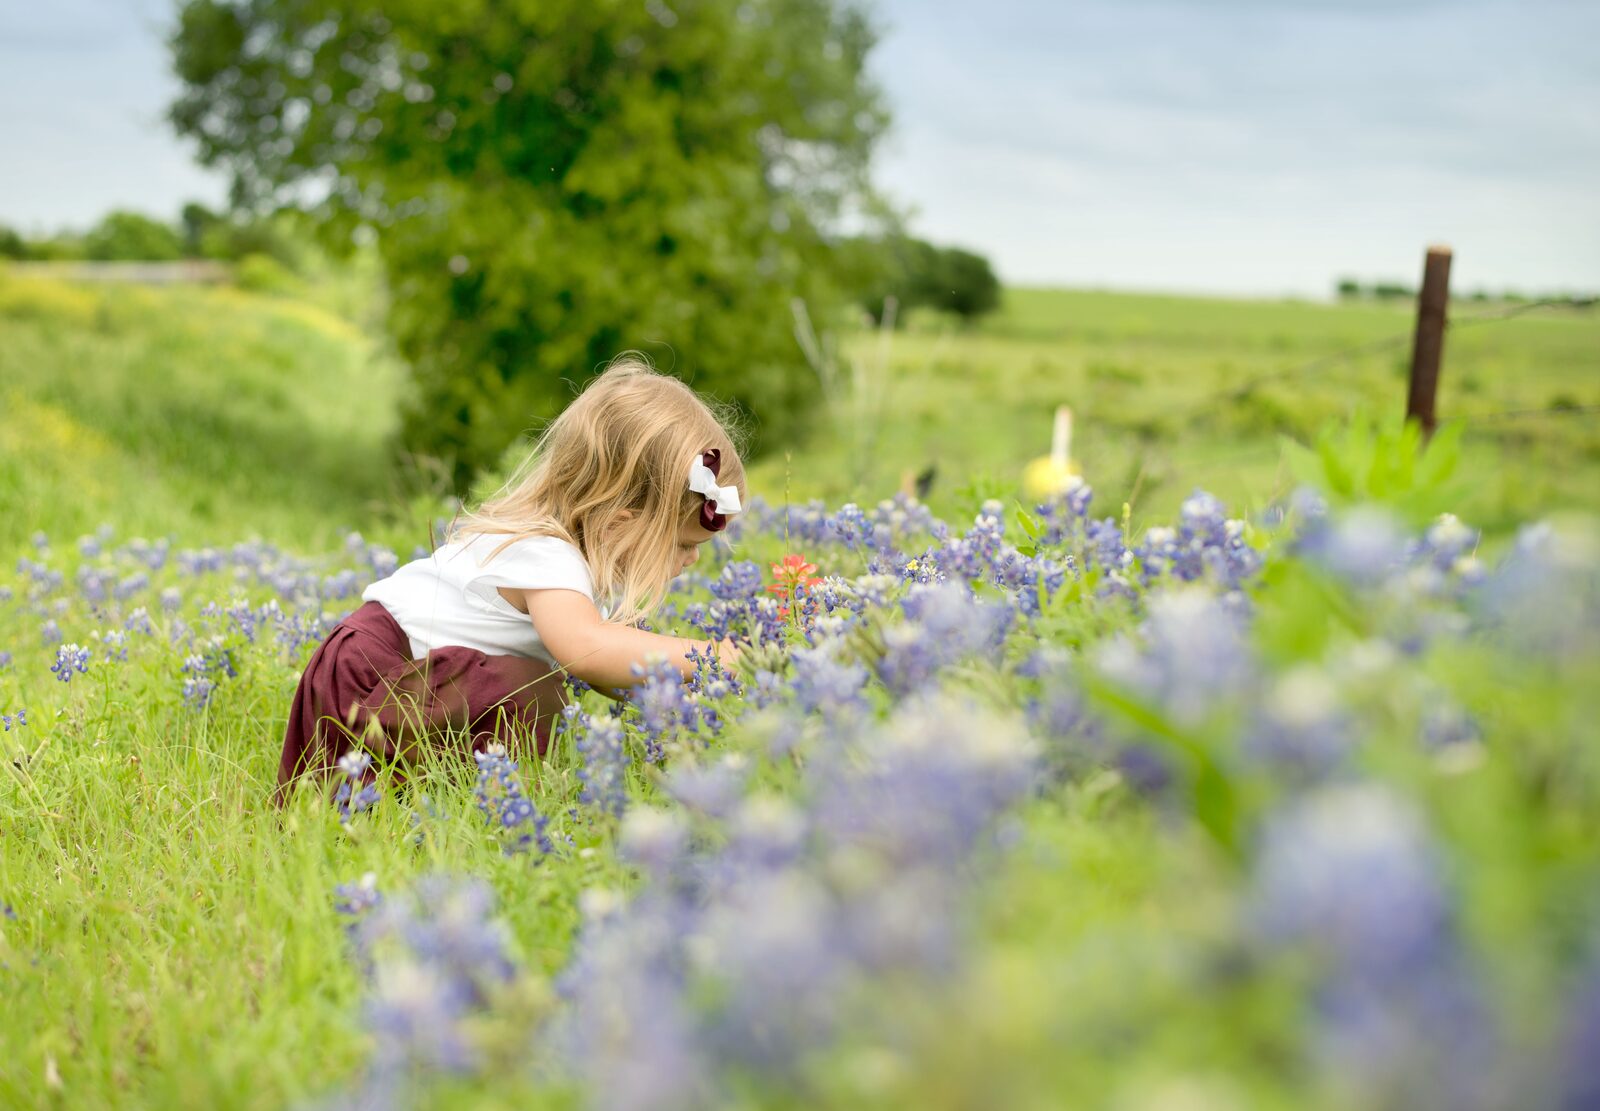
[793, 573]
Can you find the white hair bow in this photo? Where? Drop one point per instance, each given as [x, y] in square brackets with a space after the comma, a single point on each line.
[703, 480]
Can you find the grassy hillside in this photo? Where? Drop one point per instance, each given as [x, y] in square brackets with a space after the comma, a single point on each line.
[209, 414]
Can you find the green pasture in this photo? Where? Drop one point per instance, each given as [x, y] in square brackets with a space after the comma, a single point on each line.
[175, 944]
[214, 414]
[1171, 393]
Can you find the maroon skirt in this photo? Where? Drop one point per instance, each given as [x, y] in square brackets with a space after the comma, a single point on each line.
[362, 690]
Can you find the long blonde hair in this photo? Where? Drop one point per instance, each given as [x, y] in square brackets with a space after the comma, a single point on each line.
[611, 476]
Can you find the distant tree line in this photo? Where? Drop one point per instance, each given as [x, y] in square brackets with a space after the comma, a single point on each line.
[918, 274]
[1349, 289]
[199, 233]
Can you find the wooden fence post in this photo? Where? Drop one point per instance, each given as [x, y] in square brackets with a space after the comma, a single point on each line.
[1433, 306]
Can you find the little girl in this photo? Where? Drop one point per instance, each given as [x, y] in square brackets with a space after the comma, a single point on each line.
[548, 578]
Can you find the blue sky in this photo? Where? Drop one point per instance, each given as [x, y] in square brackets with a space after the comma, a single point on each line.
[1249, 146]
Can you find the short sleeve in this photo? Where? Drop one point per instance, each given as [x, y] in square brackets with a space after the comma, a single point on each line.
[533, 563]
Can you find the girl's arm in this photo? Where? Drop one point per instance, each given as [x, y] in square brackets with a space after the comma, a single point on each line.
[603, 654]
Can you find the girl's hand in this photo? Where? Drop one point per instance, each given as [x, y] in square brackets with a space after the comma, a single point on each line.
[728, 654]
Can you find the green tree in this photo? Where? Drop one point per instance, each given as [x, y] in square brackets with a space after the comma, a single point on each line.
[12, 245]
[132, 236]
[555, 182]
[967, 285]
[918, 274]
[197, 221]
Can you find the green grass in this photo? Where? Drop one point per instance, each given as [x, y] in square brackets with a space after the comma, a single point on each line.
[1173, 393]
[175, 944]
[203, 414]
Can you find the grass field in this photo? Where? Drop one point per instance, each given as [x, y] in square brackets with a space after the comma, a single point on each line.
[1174, 393]
[1281, 898]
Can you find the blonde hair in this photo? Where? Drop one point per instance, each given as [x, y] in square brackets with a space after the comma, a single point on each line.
[611, 476]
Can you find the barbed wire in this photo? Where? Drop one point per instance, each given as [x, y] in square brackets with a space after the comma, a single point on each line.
[1522, 414]
[1387, 343]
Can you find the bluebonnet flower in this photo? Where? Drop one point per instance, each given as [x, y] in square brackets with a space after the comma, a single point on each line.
[1106, 547]
[738, 582]
[299, 630]
[354, 900]
[738, 953]
[1032, 579]
[1446, 542]
[357, 792]
[1545, 594]
[1206, 544]
[629, 1033]
[853, 530]
[1190, 656]
[1578, 1078]
[139, 622]
[433, 958]
[40, 541]
[50, 632]
[5, 660]
[945, 624]
[767, 689]
[655, 839]
[70, 658]
[1299, 728]
[1351, 873]
[344, 584]
[95, 586]
[712, 789]
[599, 742]
[197, 692]
[130, 585]
[1059, 713]
[1362, 545]
[665, 706]
[711, 685]
[19, 719]
[201, 668]
[246, 619]
[88, 547]
[1445, 725]
[1064, 514]
[114, 643]
[825, 684]
[506, 806]
[171, 598]
[199, 561]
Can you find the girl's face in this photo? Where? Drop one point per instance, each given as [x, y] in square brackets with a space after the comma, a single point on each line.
[691, 534]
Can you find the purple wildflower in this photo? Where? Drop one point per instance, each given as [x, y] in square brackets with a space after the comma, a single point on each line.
[506, 806]
[1351, 873]
[70, 658]
[599, 741]
[357, 793]
[665, 706]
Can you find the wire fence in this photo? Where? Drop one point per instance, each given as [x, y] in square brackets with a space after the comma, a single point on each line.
[1403, 341]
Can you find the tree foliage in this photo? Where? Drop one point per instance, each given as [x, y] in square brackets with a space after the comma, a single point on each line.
[555, 181]
[134, 237]
[918, 274]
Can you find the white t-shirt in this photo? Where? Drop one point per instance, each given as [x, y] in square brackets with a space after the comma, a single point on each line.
[452, 596]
